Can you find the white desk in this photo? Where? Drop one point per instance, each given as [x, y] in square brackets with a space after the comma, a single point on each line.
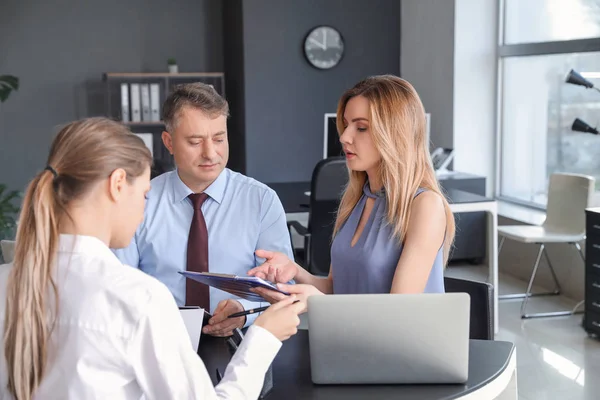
[491, 209]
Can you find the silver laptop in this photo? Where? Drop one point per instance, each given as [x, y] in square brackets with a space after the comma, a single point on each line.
[389, 338]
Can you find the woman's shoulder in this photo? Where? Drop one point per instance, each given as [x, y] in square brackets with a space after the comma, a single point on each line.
[430, 196]
[428, 206]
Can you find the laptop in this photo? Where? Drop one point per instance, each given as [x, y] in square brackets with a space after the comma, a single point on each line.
[389, 338]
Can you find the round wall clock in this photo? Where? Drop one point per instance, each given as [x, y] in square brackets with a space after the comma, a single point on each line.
[323, 47]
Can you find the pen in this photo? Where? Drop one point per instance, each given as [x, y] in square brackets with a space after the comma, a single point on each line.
[252, 311]
[246, 312]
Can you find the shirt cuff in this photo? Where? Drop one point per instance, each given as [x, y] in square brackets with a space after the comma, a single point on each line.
[260, 346]
[248, 305]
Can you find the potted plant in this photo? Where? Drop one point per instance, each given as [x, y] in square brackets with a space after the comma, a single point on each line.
[8, 214]
[173, 68]
[8, 83]
[8, 210]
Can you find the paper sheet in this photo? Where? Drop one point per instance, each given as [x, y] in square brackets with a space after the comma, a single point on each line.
[148, 139]
[192, 317]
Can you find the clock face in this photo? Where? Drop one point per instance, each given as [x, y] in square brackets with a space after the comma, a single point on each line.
[324, 47]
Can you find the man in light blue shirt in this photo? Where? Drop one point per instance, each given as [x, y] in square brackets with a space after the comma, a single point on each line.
[241, 214]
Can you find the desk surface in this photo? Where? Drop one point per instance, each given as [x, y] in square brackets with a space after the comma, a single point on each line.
[292, 378]
[294, 199]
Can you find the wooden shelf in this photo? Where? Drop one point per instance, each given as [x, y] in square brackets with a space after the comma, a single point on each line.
[146, 75]
[145, 123]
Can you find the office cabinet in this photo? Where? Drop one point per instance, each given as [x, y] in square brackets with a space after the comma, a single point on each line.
[471, 228]
[591, 320]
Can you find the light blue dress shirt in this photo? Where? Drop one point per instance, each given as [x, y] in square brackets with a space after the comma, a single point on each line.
[242, 215]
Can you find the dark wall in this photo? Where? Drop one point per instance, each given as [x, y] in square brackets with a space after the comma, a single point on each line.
[60, 49]
[284, 97]
[233, 56]
[427, 43]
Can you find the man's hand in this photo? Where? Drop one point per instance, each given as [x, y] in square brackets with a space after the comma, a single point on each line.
[302, 292]
[219, 324]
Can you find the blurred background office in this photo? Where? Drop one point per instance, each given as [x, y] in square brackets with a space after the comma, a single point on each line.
[492, 75]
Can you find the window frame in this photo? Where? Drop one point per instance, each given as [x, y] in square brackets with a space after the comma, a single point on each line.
[505, 51]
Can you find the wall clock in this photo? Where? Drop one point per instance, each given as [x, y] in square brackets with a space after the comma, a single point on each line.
[323, 47]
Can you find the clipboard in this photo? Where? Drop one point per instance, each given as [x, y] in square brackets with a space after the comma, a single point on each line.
[237, 285]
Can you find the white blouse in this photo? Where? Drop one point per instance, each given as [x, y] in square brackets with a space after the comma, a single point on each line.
[119, 335]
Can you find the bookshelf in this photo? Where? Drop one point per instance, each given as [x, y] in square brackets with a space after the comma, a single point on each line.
[158, 86]
[165, 82]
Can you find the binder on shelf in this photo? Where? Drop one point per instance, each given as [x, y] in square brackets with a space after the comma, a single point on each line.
[154, 102]
[145, 96]
[136, 112]
[125, 102]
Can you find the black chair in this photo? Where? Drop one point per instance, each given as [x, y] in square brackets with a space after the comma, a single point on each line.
[482, 305]
[329, 178]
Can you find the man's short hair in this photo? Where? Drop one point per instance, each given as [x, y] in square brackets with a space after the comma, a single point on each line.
[200, 96]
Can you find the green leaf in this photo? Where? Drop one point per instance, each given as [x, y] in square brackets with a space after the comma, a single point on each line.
[8, 210]
[12, 195]
[8, 83]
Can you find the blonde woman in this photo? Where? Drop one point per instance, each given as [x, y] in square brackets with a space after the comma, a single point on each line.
[78, 324]
[394, 228]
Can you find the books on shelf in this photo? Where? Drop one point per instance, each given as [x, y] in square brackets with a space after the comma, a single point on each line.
[125, 102]
[141, 94]
[140, 102]
[155, 102]
[136, 111]
[145, 101]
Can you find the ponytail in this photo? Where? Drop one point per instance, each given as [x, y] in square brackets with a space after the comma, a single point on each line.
[83, 153]
[27, 320]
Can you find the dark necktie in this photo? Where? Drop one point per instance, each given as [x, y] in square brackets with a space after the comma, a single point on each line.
[196, 293]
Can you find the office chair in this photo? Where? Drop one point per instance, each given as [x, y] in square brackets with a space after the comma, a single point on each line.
[568, 197]
[329, 178]
[7, 251]
[482, 305]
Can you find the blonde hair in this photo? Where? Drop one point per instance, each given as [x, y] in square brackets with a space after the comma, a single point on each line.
[83, 153]
[398, 129]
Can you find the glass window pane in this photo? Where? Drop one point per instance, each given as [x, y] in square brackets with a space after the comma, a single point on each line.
[533, 21]
[538, 109]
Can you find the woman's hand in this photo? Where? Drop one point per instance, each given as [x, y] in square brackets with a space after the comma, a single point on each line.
[281, 319]
[277, 268]
[301, 292]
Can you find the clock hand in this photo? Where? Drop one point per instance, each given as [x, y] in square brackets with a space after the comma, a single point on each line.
[324, 40]
[317, 43]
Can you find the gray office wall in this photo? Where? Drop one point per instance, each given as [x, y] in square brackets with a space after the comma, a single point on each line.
[60, 49]
[286, 98]
[427, 60]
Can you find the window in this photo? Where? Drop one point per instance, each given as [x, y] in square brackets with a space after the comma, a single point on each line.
[537, 106]
[534, 21]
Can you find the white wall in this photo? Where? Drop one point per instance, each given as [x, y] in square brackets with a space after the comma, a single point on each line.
[448, 52]
[474, 96]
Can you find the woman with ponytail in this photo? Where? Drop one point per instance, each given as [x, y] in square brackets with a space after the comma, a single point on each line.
[75, 322]
[394, 228]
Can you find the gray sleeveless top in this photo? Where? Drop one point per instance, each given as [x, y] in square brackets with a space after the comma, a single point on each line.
[369, 266]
